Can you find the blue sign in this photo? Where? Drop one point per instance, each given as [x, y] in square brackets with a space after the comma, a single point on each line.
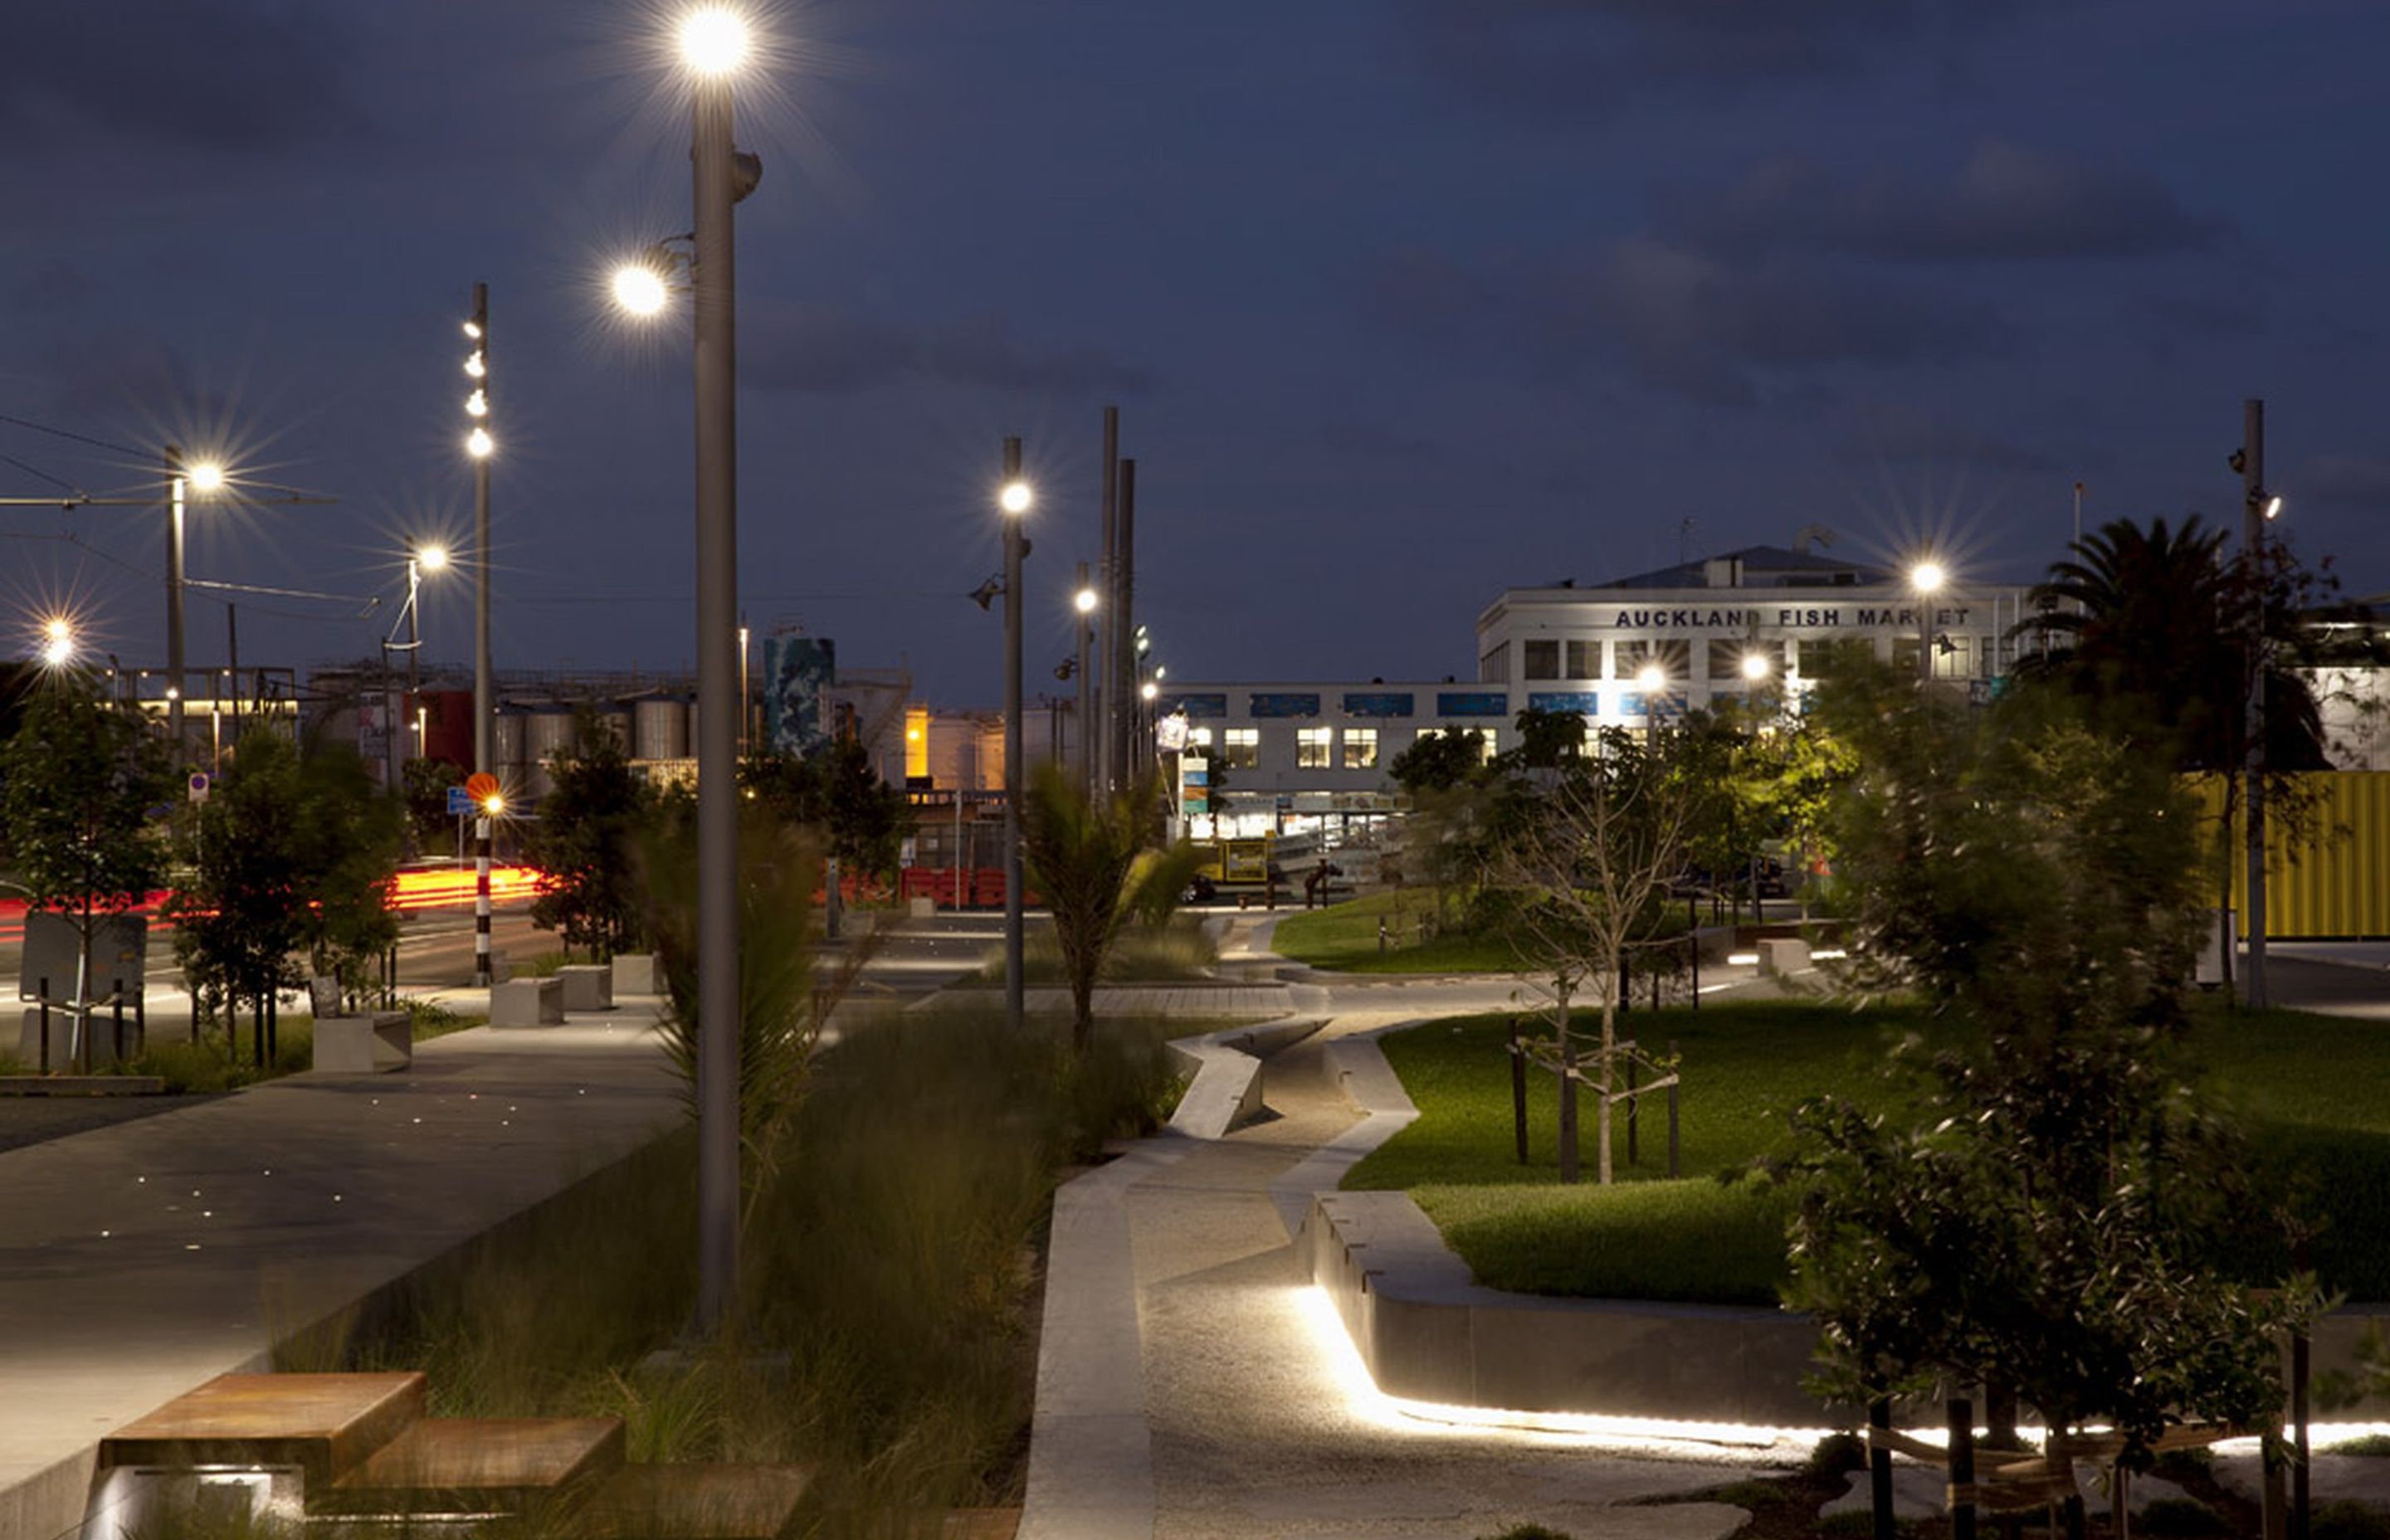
[459, 804]
[1578, 702]
[1196, 705]
[1391, 703]
[1472, 703]
[1283, 703]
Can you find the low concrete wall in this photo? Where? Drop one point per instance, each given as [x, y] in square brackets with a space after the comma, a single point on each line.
[1428, 1332]
[1227, 1091]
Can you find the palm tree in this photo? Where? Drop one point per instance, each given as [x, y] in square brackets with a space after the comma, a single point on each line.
[1099, 862]
[2143, 627]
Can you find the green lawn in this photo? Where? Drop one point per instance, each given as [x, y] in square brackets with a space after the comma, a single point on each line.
[2307, 1086]
[1345, 936]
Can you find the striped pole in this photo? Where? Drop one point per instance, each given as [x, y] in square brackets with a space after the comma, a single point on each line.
[481, 902]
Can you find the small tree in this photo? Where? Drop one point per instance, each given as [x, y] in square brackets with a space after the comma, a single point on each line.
[240, 916]
[429, 822]
[349, 834]
[863, 819]
[585, 844]
[1587, 855]
[78, 786]
[2054, 1210]
[1099, 863]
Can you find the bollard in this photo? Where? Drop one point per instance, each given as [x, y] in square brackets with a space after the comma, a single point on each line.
[1518, 1091]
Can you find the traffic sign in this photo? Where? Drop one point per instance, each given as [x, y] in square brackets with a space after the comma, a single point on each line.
[460, 802]
[482, 786]
[199, 786]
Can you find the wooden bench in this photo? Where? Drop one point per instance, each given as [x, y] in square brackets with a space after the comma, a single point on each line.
[527, 1003]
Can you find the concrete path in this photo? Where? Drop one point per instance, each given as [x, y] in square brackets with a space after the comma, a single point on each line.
[1193, 1385]
[138, 1261]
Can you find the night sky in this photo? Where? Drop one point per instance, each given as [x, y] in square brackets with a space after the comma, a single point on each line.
[1402, 301]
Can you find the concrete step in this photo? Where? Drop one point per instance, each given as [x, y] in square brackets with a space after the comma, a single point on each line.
[693, 1502]
[448, 1465]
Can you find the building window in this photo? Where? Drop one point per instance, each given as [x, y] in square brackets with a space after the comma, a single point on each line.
[1583, 661]
[1674, 655]
[1361, 747]
[1540, 660]
[1494, 667]
[1484, 737]
[1199, 741]
[1240, 748]
[1313, 746]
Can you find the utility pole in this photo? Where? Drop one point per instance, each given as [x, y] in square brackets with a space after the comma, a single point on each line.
[2256, 507]
[1108, 706]
[1083, 600]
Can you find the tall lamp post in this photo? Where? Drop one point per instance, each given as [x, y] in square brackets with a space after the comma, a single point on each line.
[479, 447]
[425, 559]
[1014, 499]
[182, 480]
[1083, 601]
[1925, 579]
[2258, 507]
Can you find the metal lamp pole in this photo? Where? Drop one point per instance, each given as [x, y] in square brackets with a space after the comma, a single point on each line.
[713, 279]
[2257, 507]
[1015, 499]
[175, 492]
[479, 445]
[1084, 598]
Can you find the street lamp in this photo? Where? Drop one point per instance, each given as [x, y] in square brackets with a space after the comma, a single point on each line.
[1756, 666]
[58, 642]
[422, 559]
[1014, 498]
[1925, 580]
[205, 479]
[713, 42]
[479, 446]
[1083, 601]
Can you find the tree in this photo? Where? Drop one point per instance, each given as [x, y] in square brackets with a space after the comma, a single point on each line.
[863, 819]
[1097, 861]
[2051, 1208]
[349, 834]
[79, 785]
[238, 915]
[584, 843]
[1440, 760]
[427, 819]
[1586, 856]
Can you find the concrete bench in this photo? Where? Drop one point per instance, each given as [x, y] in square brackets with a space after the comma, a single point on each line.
[1781, 956]
[587, 986]
[365, 1045]
[527, 1003]
[638, 974]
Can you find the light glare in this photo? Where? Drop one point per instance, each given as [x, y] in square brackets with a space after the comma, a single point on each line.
[432, 557]
[1086, 600]
[1755, 665]
[474, 331]
[57, 641]
[1926, 577]
[206, 476]
[1652, 676]
[477, 404]
[475, 367]
[639, 289]
[1015, 498]
[712, 40]
[479, 444]
[2274, 508]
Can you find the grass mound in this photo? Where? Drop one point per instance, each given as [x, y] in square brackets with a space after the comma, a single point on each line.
[1344, 936]
[2304, 1086]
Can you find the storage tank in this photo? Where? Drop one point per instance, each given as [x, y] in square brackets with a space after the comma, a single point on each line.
[507, 744]
[611, 718]
[660, 727]
[552, 732]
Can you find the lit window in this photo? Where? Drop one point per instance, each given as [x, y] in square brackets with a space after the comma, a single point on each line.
[1361, 747]
[1313, 747]
[1199, 741]
[1240, 748]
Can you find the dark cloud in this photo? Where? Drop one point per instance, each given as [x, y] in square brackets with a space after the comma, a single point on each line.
[1894, 433]
[2342, 480]
[2007, 203]
[225, 77]
[1582, 59]
[1682, 319]
[818, 350]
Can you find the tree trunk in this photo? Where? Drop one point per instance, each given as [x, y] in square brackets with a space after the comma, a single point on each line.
[1569, 1163]
[1602, 1106]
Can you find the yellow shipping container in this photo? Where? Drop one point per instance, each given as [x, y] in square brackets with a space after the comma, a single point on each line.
[2331, 881]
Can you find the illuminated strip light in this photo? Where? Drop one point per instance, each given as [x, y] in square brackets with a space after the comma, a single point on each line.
[433, 890]
[1711, 1441]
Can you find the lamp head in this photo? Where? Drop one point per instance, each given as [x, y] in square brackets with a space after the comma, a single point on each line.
[205, 477]
[1015, 498]
[495, 803]
[1651, 677]
[1149, 690]
[479, 444]
[431, 557]
[1927, 577]
[640, 290]
[2273, 505]
[57, 641]
[1755, 665]
[1086, 600]
[712, 40]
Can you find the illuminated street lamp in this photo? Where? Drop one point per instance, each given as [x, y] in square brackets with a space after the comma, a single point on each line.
[1925, 580]
[422, 559]
[1084, 601]
[1014, 497]
[58, 642]
[204, 479]
[1756, 666]
[713, 42]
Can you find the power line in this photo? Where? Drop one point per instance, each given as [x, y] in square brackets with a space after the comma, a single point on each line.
[78, 438]
[38, 472]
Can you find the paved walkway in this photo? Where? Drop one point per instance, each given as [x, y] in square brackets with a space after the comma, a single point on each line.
[138, 1261]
